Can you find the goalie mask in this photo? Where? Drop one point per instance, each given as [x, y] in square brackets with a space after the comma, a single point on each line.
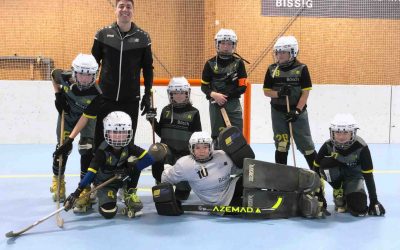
[343, 123]
[178, 85]
[226, 36]
[118, 129]
[201, 138]
[286, 44]
[84, 71]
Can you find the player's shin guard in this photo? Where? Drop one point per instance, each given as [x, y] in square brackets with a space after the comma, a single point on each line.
[108, 210]
[281, 157]
[310, 160]
[165, 201]
[357, 203]
[266, 175]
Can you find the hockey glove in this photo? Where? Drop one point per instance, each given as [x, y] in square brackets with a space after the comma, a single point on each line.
[71, 199]
[61, 103]
[145, 104]
[64, 149]
[285, 90]
[151, 114]
[376, 208]
[293, 115]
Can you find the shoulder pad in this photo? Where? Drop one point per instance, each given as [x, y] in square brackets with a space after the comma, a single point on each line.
[361, 141]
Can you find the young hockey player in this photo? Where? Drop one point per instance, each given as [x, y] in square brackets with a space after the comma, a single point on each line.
[177, 123]
[224, 80]
[289, 77]
[115, 155]
[217, 182]
[74, 90]
[344, 161]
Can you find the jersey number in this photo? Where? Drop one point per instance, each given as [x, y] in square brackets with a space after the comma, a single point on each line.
[202, 173]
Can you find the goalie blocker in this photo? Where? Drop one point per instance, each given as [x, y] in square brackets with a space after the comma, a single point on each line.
[232, 141]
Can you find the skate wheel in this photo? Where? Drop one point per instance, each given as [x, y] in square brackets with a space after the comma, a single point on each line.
[131, 214]
[123, 211]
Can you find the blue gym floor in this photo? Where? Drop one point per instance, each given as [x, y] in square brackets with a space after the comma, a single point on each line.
[25, 177]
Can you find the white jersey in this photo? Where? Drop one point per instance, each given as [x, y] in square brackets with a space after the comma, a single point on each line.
[210, 181]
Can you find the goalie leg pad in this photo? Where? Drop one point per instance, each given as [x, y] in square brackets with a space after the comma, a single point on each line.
[108, 210]
[273, 204]
[309, 206]
[165, 201]
[266, 175]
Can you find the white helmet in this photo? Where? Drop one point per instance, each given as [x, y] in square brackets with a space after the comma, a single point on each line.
[178, 84]
[343, 123]
[288, 44]
[118, 129]
[201, 138]
[85, 64]
[225, 35]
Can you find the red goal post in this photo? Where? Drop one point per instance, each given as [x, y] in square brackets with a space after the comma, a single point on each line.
[246, 101]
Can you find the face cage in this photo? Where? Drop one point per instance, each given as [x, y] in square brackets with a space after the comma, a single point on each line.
[171, 98]
[210, 146]
[118, 143]
[346, 145]
[225, 54]
[82, 86]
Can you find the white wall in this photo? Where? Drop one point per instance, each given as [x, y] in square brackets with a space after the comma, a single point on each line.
[27, 113]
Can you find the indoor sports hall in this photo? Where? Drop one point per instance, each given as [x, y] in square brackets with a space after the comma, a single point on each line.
[351, 48]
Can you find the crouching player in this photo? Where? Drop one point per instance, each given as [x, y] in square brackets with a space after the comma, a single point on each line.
[344, 161]
[274, 191]
[115, 155]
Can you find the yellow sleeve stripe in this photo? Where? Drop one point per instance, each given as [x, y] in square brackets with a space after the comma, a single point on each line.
[92, 170]
[309, 88]
[204, 82]
[89, 116]
[367, 171]
[143, 154]
[316, 164]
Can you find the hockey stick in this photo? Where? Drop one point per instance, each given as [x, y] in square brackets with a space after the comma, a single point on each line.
[291, 133]
[59, 219]
[152, 122]
[233, 209]
[13, 234]
[226, 117]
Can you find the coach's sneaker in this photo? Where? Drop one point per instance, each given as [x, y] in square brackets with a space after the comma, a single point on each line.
[54, 187]
[83, 203]
[338, 199]
[133, 201]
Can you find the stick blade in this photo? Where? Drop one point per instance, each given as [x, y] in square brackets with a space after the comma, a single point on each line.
[60, 222]
[11, 234]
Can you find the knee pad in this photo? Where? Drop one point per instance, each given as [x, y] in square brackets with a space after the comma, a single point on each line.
[108, 210]
[357, 203]
[309, 206]
[85, 146]
[330, 169]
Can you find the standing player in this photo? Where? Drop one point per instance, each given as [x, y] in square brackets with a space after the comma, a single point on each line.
[223, 81]
[345, 163]
[123, 50]
[177, 123]
[289, 77]
[74, 90]
[115, 155]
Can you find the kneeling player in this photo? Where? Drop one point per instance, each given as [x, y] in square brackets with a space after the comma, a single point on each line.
[344, 161]
[115, 155]
[217, 182]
